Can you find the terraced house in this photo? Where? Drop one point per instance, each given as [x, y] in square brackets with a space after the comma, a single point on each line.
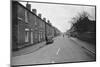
[28, 28]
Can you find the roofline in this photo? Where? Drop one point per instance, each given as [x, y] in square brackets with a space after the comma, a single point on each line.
[57, 3]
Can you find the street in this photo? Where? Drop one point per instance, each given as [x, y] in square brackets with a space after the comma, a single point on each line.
[64, 49]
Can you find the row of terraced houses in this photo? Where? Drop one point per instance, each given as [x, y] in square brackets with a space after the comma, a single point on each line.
[28, 28]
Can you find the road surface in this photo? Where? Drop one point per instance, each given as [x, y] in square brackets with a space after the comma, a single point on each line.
[62, 50]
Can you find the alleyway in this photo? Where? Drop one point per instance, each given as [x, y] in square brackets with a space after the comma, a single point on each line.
[63, 49]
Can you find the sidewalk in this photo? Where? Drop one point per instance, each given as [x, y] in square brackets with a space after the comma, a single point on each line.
[83, 44]
[29, 49]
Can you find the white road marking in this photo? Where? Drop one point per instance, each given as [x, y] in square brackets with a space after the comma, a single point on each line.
[58, 51]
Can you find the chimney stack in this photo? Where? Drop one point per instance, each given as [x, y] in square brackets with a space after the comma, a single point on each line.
[28, 6]
[34, 11]
[40, 15]
[48, 21]
[44, 19]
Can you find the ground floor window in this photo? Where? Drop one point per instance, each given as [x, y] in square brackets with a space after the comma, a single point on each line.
[26, 35]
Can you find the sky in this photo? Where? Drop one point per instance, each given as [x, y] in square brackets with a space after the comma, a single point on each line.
[60, 15]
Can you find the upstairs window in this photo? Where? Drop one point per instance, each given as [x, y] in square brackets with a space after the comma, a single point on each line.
[26, 17]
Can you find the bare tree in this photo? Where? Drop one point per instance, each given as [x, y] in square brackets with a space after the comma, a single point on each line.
[81, 22]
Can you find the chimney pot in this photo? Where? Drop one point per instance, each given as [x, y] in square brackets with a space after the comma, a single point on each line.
[44, 19]
[34, 11]
[48, 21]
[40, 15]
[28, 6]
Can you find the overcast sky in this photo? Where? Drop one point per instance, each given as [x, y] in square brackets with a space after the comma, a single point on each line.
[60, 15]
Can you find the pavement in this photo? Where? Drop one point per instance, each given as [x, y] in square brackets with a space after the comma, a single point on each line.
[83, 44]
[62, 50]
[29, 49]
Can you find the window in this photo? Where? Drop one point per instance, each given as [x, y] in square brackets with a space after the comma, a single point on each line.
[36, 35]
[35, 20]
[26, 35]
[26, 18]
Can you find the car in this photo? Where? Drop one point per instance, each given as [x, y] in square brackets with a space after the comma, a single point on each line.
[50, 41]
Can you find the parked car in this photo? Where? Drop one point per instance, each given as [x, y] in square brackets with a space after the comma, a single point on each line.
[49, 41]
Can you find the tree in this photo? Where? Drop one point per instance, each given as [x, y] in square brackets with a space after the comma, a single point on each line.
[81, 22]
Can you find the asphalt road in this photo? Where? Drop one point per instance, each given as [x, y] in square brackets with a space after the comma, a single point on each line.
[62, 50]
